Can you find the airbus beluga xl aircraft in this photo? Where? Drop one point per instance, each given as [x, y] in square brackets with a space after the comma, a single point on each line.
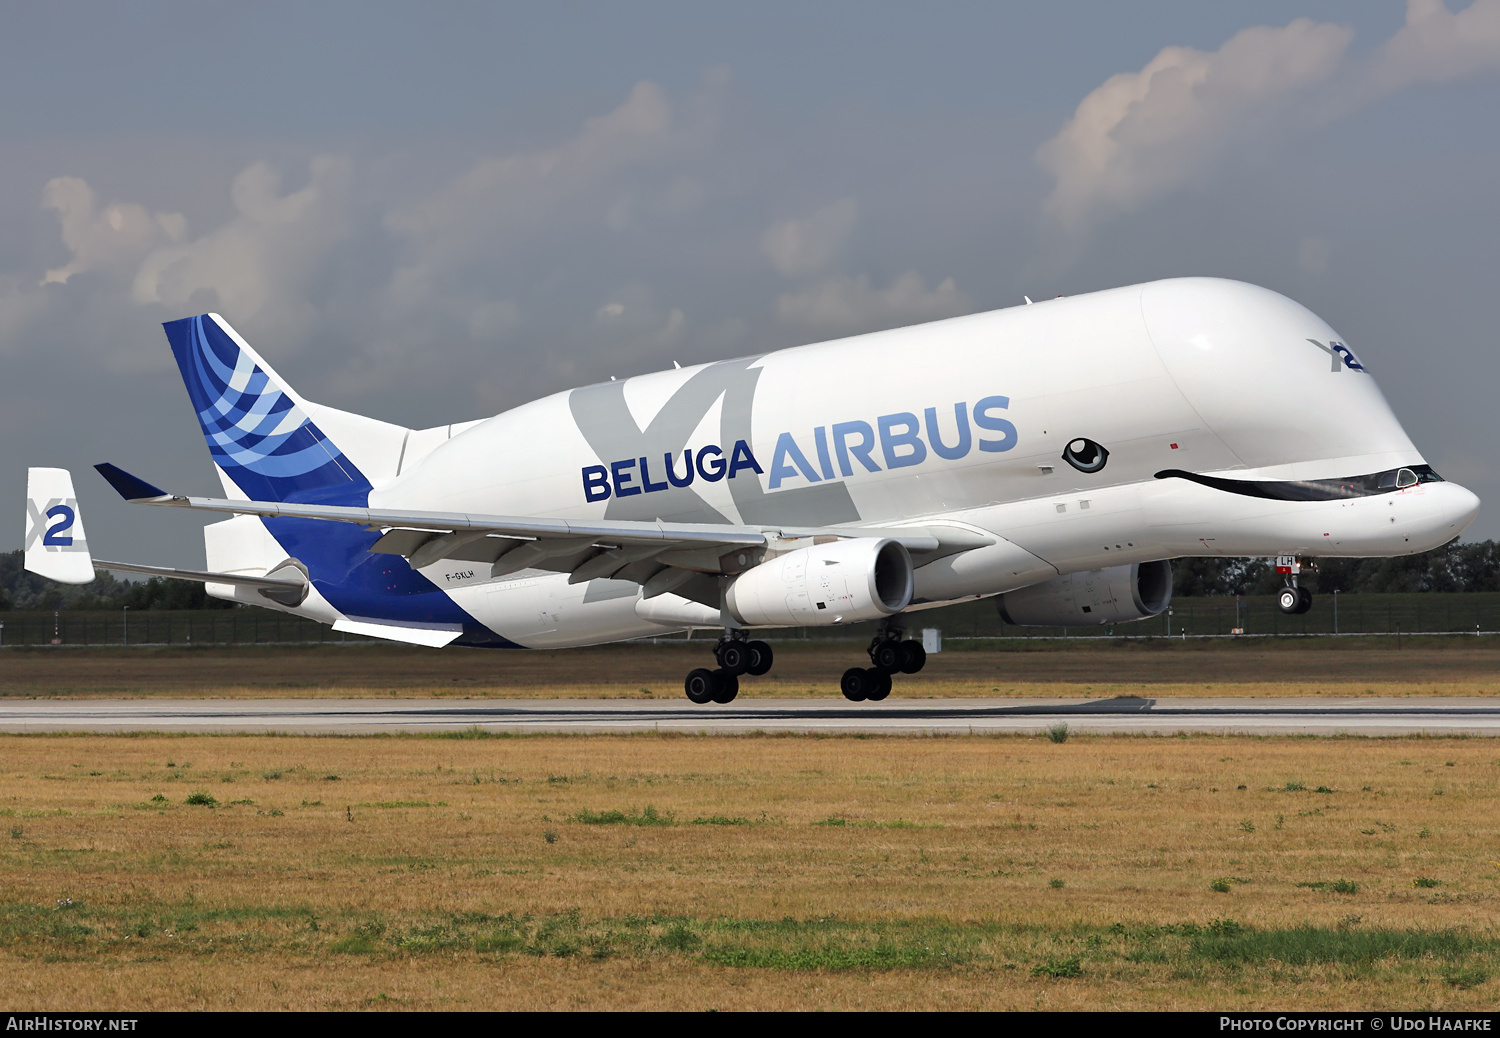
[1052, 456]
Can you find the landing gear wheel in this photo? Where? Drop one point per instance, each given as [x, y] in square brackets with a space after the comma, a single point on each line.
[880, 685]
[913, 657]
[1288, 599]
[760, 658]
[1304, 600]
[701, 685]
[728, 687]
[886, 656]
[733, 657]
[855, 684]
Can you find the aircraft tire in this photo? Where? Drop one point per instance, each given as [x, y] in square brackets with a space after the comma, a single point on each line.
[855, 684]
[701, 685]
[1288, 599]
[1304, 600]
[880, 685]
[887, 657]
[913, 657]
[761, 658]
[727, 687]
[733, 657]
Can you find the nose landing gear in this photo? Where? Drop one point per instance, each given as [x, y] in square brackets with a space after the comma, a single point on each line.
[1292, 600]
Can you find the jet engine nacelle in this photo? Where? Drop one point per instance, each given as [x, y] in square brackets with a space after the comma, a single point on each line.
[1098, 596]
[862, 578]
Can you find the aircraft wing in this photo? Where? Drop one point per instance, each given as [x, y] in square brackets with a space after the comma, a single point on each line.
[661, 556]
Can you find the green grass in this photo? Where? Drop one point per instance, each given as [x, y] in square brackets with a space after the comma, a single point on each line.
[1301, 946]
[1337, 886]
[1462, 958]
[1059, 968]
[648, 816]
[1470, 977]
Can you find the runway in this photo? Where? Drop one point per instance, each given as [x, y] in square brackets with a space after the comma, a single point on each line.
[1119, 716]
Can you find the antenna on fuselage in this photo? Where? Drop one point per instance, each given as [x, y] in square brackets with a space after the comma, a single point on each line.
[1028, 300]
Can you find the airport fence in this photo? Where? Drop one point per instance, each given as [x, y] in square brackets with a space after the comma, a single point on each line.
[1256, 615]
[240, 626]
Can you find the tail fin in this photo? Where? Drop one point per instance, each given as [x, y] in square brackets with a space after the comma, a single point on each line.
[262, 435]
[55, 544]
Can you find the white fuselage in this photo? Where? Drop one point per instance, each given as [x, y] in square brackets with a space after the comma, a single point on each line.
[960, 423]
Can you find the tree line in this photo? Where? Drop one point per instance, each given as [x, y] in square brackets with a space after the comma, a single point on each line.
[20, 590]
[1454, 567]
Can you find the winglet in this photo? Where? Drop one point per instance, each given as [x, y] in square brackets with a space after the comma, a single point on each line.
[131, 488]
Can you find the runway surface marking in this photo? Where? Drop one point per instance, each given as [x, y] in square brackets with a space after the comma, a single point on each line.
[1123, 715]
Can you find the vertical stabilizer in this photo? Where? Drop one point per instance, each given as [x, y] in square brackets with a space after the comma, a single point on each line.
[260, 433]
[55, 544]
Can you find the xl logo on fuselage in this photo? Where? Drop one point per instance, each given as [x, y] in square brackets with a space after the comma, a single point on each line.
[836, 448]
[1339, 356]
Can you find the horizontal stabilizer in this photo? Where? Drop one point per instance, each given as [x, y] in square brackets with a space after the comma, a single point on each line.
[288, 587]
[55, 544]
[201, 576]
[434, 636]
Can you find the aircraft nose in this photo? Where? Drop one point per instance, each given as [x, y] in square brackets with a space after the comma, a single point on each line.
[1462, 507]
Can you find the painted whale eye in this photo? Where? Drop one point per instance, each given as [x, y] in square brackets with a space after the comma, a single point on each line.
[1085, 455]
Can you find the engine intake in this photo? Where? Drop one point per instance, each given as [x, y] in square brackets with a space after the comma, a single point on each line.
[862, 578]
[1098, 596]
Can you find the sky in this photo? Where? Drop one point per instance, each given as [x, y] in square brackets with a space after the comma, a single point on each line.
[430, 213]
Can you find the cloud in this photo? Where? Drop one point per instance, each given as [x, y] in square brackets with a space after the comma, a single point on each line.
[500, 200]
[799, 247]
[632, 322]
[845, 304]
[1438, 46]
[1142, 135]
[374, 282]
[263, 262]
[104, 239]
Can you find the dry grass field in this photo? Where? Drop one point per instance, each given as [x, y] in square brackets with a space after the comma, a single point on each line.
[199, 872]
[1454, 666]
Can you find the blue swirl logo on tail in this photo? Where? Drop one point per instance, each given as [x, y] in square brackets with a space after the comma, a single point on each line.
[255, 431]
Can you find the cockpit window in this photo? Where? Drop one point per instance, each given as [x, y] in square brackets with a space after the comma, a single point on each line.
[1317, 489]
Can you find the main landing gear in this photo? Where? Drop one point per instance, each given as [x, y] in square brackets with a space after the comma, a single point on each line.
[890, 653]
[736, 655]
